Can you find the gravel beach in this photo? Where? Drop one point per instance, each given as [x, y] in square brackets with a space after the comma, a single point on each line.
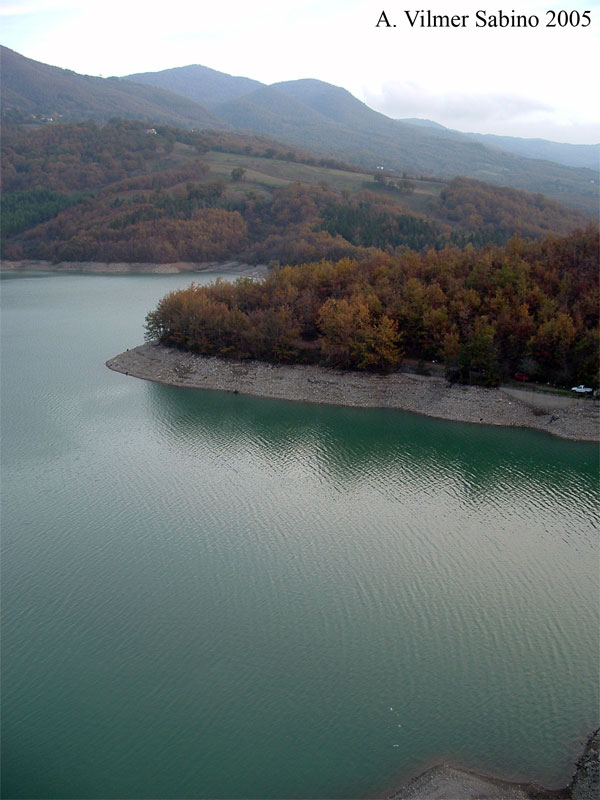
[233, 268]
[450, 783]
[446, 782]
[576, 418]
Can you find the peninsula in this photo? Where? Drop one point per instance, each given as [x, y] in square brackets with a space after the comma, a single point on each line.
[566, 417]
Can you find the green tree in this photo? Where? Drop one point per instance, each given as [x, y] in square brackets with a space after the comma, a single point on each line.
[477, 357]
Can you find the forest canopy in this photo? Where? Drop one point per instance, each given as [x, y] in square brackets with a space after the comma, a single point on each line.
[530, 306]
[125, 192]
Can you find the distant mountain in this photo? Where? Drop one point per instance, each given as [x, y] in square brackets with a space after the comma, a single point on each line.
[329, 120]
[271, 112]
[312, 114]
[337, 104]
[573, 155]
[425, 123]
[213, 88]
[30, 87]
[202, 84]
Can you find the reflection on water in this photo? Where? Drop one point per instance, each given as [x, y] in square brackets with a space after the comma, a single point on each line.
[383, 447]
[212, 595]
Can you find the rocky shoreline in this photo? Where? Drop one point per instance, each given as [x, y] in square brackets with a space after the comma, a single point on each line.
[566, 417]
[450, 783]
[145, 268]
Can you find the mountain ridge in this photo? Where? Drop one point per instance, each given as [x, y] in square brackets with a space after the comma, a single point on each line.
[325, 119]
[202, 84]
[32, 87]
[330, 121]
[571, 155]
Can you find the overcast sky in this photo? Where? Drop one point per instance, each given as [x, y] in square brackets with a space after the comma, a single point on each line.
[534, 81]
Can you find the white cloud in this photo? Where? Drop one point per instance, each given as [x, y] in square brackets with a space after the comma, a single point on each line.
[504, 114]
[409, 99]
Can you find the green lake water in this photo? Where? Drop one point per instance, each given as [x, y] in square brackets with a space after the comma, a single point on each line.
[207, 595]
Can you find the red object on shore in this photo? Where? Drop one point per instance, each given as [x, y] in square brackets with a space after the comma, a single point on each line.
[521, 377]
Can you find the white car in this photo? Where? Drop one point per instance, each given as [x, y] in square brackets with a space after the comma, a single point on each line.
[581, 388]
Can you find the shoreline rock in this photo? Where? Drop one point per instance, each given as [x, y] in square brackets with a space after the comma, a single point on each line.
[585, 783]
[569, 418]
[142, 268]
[446, 782]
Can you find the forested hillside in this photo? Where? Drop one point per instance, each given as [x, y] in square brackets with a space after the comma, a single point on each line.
[31, 89]
[311, 114]
[123, 192]
[329, 120]
[481, 213]
[531, 306]
[572, 155]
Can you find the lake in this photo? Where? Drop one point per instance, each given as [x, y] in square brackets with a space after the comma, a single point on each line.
[207, 595]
